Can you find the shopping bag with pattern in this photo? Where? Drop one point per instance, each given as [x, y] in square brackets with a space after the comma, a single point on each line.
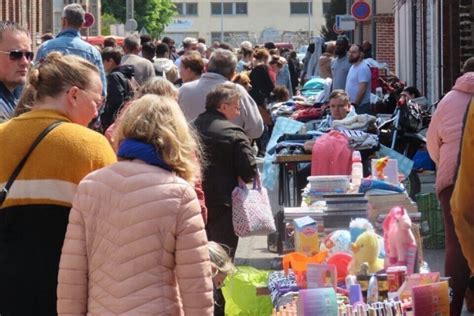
[251, 210]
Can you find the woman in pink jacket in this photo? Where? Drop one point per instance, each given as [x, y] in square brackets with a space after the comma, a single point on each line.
[135, 243]
[444, 141]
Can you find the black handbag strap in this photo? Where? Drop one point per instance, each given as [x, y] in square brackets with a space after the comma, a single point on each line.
[16, 172]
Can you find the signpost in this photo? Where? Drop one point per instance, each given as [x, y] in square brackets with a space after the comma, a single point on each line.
[361, 10]
[89, 20]
[131, 25]
[337, 30]
[345, 22]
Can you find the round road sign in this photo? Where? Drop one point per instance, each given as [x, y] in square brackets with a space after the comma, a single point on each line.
[131, 25]
[88, 20]
[336, 30]
[361, 10]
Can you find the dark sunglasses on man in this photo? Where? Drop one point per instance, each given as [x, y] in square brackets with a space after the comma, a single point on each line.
[18, 54]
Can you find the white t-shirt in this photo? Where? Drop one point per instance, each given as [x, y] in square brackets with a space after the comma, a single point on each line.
[357, 74]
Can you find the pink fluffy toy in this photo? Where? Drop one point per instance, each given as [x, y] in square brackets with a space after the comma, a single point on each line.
[399, 241]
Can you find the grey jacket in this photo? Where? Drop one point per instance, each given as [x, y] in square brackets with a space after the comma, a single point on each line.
[192, 100]
[144, 69]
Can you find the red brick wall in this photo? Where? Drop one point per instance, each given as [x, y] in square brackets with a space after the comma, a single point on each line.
[25, 12]
[385, 39]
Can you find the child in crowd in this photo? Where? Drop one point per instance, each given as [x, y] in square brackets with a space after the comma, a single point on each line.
[222, 266]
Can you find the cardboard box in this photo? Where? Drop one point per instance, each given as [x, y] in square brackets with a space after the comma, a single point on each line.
[306, 235]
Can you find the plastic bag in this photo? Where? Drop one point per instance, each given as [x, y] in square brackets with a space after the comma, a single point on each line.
[240, 292]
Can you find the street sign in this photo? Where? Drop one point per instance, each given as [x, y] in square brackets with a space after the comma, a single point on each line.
[361, 10]
[336, 30]
[345, 22]
[131, 25]
[88, 20]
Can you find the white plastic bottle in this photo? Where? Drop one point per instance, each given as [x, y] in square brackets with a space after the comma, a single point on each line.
[357, 171]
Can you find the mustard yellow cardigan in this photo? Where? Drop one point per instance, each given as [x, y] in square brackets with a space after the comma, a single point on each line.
[56, 166]
[462, 200]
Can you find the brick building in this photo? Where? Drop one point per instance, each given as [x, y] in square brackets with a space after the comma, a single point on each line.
[433, 39]
[379, 29]
[41, 16]
[28, 13]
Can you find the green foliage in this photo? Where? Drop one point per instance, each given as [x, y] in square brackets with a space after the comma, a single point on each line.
[337, 7]
[154, 15]
[116, 8]
[106, 20]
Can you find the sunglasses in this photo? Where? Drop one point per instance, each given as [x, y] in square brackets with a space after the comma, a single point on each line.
[18, 54]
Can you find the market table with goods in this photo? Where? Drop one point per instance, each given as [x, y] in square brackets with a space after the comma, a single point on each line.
[351, 243]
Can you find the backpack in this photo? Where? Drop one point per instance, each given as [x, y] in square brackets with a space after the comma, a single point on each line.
[130, 87]
[133, 86]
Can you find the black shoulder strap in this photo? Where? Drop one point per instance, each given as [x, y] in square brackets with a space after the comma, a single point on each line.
[4, 192]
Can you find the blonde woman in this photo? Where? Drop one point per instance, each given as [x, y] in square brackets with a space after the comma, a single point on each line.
[34, 216]
[222, 266]
[162, 87]
[136, 242]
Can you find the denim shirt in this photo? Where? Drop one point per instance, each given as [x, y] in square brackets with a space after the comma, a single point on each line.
[284, 79]
[69, 42]
[8, 101]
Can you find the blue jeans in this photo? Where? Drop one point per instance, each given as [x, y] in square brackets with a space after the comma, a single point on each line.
[364, 108]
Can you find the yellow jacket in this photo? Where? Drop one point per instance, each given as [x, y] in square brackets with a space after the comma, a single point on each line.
[462, 202]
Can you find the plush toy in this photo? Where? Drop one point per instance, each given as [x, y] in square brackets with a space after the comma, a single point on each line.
[358, 226]
[337, 241]
[398, 237]
[366, 249]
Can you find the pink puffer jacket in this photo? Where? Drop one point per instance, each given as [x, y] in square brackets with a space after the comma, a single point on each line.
[135, 245]
[445, 131]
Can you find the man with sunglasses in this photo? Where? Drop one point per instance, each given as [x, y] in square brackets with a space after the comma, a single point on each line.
[15, 58]
[69, 41]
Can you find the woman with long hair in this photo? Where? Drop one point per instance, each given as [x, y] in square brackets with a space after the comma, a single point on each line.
[136, 242]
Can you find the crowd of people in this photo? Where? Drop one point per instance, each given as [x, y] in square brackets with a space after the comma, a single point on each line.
[139, 219]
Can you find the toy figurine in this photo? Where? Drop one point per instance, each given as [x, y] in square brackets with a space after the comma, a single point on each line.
[380, 165]
[398, 237]
[366, 249]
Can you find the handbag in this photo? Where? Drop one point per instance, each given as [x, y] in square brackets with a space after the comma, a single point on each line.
[16, 172]
[251, 210]
[411, 117]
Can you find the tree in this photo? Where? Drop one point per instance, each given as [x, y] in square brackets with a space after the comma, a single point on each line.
[106, 20]
[116, 8]
[335, 8]
[154, 15]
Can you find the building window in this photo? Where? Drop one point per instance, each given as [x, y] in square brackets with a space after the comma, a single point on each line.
[187, 8]
[301, 7]
[241, 7]
[326, 7]
[230, 8]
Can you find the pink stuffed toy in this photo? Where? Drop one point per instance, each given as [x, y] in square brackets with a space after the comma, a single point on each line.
[399, 240]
